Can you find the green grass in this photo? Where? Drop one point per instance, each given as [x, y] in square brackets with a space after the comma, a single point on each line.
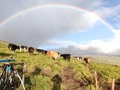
[41, 69]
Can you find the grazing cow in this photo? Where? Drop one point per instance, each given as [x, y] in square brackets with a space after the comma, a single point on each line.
[77, 58]
[12, 47]
[42, 51]
[53, 54]
[31, 50]
[87, 60]
[66, 56]
[24, 48]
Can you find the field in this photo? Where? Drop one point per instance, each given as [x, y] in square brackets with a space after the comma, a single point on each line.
[73, 75]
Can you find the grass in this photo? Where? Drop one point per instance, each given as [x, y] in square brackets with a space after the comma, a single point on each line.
[75, 74]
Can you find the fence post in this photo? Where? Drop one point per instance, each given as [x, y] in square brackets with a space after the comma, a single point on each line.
[96, 81]
[113, 84]
[24, 71]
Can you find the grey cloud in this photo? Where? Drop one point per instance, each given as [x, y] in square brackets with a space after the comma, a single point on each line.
[9, 7]
[35, 27]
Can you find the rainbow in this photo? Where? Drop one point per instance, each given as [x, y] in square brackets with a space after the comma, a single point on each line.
[53, 6]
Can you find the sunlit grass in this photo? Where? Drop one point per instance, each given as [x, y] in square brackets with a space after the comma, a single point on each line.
[41, 68]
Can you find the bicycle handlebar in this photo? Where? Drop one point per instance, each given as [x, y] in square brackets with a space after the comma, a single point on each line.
[11, 64]
[8, 60]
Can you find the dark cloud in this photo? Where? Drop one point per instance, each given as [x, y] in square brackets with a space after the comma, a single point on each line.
[35, 27]
[8, 8]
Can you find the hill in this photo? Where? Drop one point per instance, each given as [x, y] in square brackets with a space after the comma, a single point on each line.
[107, 59]
[44, 73]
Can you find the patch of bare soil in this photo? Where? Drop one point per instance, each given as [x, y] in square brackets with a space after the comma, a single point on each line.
[70, 82]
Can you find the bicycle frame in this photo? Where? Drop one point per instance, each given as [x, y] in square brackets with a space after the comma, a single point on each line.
[7, 78]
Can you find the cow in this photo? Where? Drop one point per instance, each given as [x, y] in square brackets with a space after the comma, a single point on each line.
[44, 52]
[23, 48]
[77, 58]
[12, 47]
[53, 54]
[87, 60]
[31, 50]
[66, 56]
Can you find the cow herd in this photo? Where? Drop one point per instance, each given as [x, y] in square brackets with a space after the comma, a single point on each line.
[54, 55]
[14, 47]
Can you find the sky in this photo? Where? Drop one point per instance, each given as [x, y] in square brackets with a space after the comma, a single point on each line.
[78, 27]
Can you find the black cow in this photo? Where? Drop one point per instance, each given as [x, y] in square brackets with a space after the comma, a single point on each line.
[66, 56]
[12, 47]
[42, 51]
[31, 50]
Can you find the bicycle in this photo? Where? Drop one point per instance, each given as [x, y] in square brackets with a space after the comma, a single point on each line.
[10, 79]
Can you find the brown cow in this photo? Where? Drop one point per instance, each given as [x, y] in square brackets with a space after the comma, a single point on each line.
[87, 60]
[53, 54]
[31, 50]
